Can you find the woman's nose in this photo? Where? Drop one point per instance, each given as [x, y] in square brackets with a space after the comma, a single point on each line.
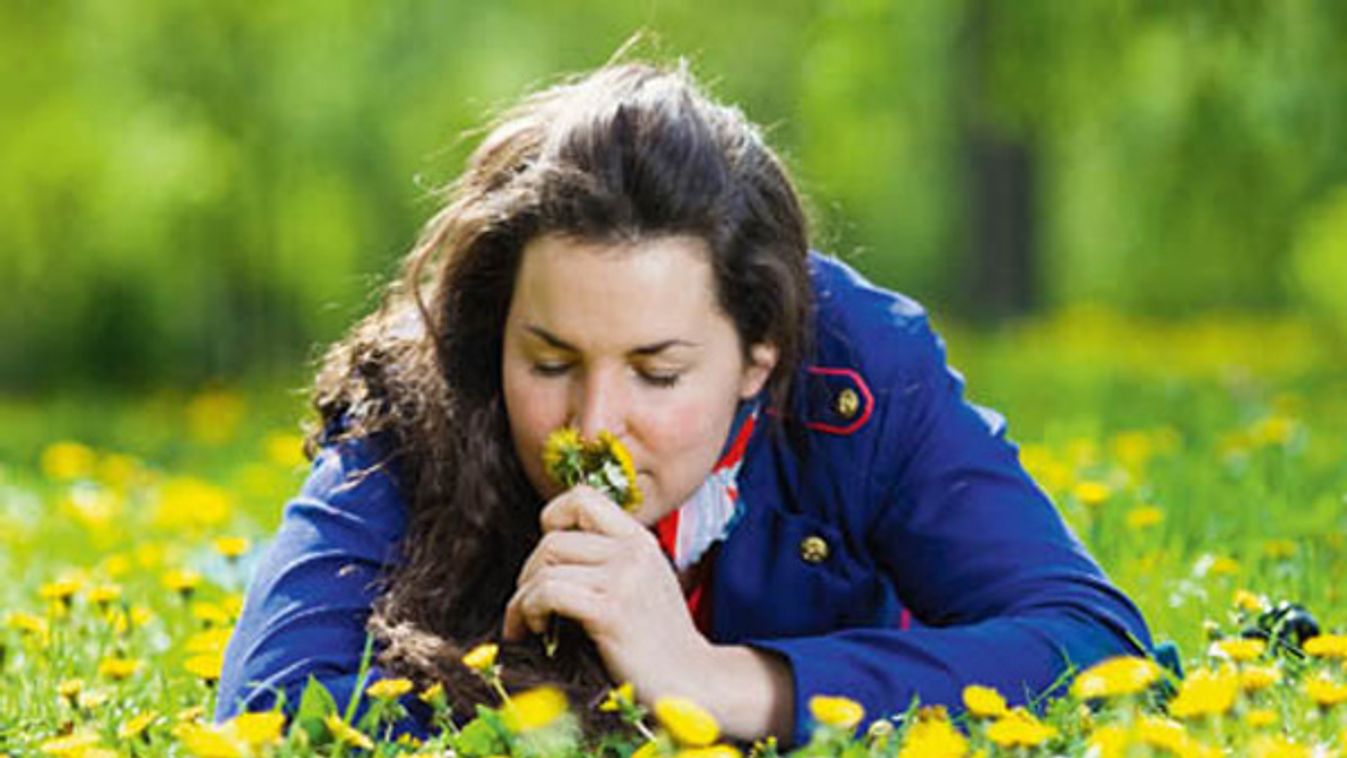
[599, 406]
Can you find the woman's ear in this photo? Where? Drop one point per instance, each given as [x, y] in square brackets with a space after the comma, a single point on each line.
[762, 358]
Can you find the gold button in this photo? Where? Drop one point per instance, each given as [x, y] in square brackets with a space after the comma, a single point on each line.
[848, 403]
[814, 549]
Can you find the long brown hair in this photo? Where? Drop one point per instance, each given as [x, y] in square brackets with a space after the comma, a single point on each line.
[629, 151]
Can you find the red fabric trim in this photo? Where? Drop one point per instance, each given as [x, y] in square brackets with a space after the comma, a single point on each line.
[867, 401]
[905, 620]
[667, 532]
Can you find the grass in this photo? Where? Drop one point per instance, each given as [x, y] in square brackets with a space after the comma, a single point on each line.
[1203, 464]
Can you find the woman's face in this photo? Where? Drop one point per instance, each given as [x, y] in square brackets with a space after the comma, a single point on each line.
[626, 337]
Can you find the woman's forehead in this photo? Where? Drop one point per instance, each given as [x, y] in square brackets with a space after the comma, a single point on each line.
[628, 294]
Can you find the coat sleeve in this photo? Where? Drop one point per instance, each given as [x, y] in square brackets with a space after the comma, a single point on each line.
[1004, 593]
[307, 604]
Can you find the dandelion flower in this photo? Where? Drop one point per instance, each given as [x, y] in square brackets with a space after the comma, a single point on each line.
[70, 745]
[103, 594]
[688, 723]
[232, 547]
[70, 688]
[389, 689]
[1205, 693]
[1242, 649]
[207, 667]
[258, 729]
[933, 738]
[60, 590]
[118, 668]
[346, 734]
[433, 695]
[1019, 728]
[1248, 602]
[1327, 646]
[984, 702]
[1123, 675]
[209, 741]
[1325, 692]
[619, 696]
[1255, 678]
[1260, 717]
[482, 657]
[181, 581]
[133, 727]
[839, 712]
[63, 461]
[534, 709]
[1144, 517]
[1091, 493]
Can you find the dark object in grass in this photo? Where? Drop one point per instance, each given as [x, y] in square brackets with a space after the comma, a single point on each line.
[1285, 626]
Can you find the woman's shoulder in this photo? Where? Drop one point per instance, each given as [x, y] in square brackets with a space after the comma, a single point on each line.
[880, 333]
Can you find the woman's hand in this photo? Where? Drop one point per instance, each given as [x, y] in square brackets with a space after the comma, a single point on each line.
[599, 566]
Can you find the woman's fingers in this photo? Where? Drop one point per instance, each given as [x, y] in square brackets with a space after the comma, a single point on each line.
[585, 508]
[568, 547]
[575, 592]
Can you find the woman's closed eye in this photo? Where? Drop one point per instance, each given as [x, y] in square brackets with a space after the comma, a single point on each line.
[653, 378]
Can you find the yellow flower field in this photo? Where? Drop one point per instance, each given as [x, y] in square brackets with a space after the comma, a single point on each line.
[1203, 464]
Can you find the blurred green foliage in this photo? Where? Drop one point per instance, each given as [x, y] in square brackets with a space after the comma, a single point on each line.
[196, 190]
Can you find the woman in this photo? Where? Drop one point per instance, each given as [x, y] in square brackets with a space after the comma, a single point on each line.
[823, 513]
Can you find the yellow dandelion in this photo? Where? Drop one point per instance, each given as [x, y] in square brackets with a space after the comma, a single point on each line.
[70, 689]
[689, 724]
[181, 581]
[211, 641]
[118, 668]
[346, 734]
[631, 495]
[647, 750]
[61, 590]
[1242, 649]
[1327, 646]
[482, 658]
[231, 547]
[433, 695]
[839, 712]
[284, 449]
[1325, 692]
[28, 623]
[1171, 736]
[71, 745]
[209, 741]
[214, 416]
[622, 695]
[1123, 675]
[210, 613]
[1256, 678]
[186, 503]
[534, 709]
[1092, 493]
[258, 729]
[207, 667]
[63, 461]
[232, 604]
[118, 470]
[134, 726]
[933, 738]
[190, 714]
[1143, 517]
[1019, 728]
[1205, 692]
[561, 452]
[389, 689]
[1107, 742]
[102, 594]
[1217, 565]
[1260, 717]
[984, 702]
[1248, 602]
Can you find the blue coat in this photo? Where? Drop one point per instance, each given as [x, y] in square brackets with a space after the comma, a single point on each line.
[902, 552]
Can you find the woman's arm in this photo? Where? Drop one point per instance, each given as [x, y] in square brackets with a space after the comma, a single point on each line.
[1004, 593]
[311, 595]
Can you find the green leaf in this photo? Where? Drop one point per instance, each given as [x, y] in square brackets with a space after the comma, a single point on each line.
[479, 738]
[315, 705]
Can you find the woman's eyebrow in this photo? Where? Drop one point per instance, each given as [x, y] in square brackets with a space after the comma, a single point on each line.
[644, 350]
